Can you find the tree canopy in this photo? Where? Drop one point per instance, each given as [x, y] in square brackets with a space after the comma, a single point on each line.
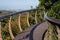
[52, 7]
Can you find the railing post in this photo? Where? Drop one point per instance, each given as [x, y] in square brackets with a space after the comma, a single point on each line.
[28, 20]
[36, 17]
[10, 30]
[19, 23]
[0, 31]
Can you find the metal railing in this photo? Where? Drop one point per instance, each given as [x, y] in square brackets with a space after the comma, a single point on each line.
[6, 21]
[50, 19]
[14, 19]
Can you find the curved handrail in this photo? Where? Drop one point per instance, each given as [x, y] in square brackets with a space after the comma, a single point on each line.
[53, 25]
[50, 19]
[18, 12]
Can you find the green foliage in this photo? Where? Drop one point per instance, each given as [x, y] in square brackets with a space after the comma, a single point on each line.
[31, 20]
[24, 26]
[4, 21]
[40, 16]
[51, 32]
[15, 30]
[52, 7]
[5, 32]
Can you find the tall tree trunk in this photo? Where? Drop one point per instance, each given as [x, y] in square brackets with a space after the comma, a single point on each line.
[19, 22]
[0, 31]
[28, 19]
[10, 30]
[36, 17]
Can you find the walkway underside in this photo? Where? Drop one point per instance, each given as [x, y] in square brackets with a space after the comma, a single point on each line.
[33, 33]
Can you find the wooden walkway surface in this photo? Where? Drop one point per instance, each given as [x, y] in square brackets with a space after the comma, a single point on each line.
[33, 33]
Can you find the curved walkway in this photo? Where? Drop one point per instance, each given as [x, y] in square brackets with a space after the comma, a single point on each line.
[39, 31]
[33, 33]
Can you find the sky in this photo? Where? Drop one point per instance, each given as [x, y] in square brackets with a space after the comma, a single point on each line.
[17, 4]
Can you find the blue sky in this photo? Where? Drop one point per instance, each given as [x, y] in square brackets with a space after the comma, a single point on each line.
[17, 4]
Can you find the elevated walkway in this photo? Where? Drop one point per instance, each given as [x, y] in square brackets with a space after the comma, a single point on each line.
[33, 33]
